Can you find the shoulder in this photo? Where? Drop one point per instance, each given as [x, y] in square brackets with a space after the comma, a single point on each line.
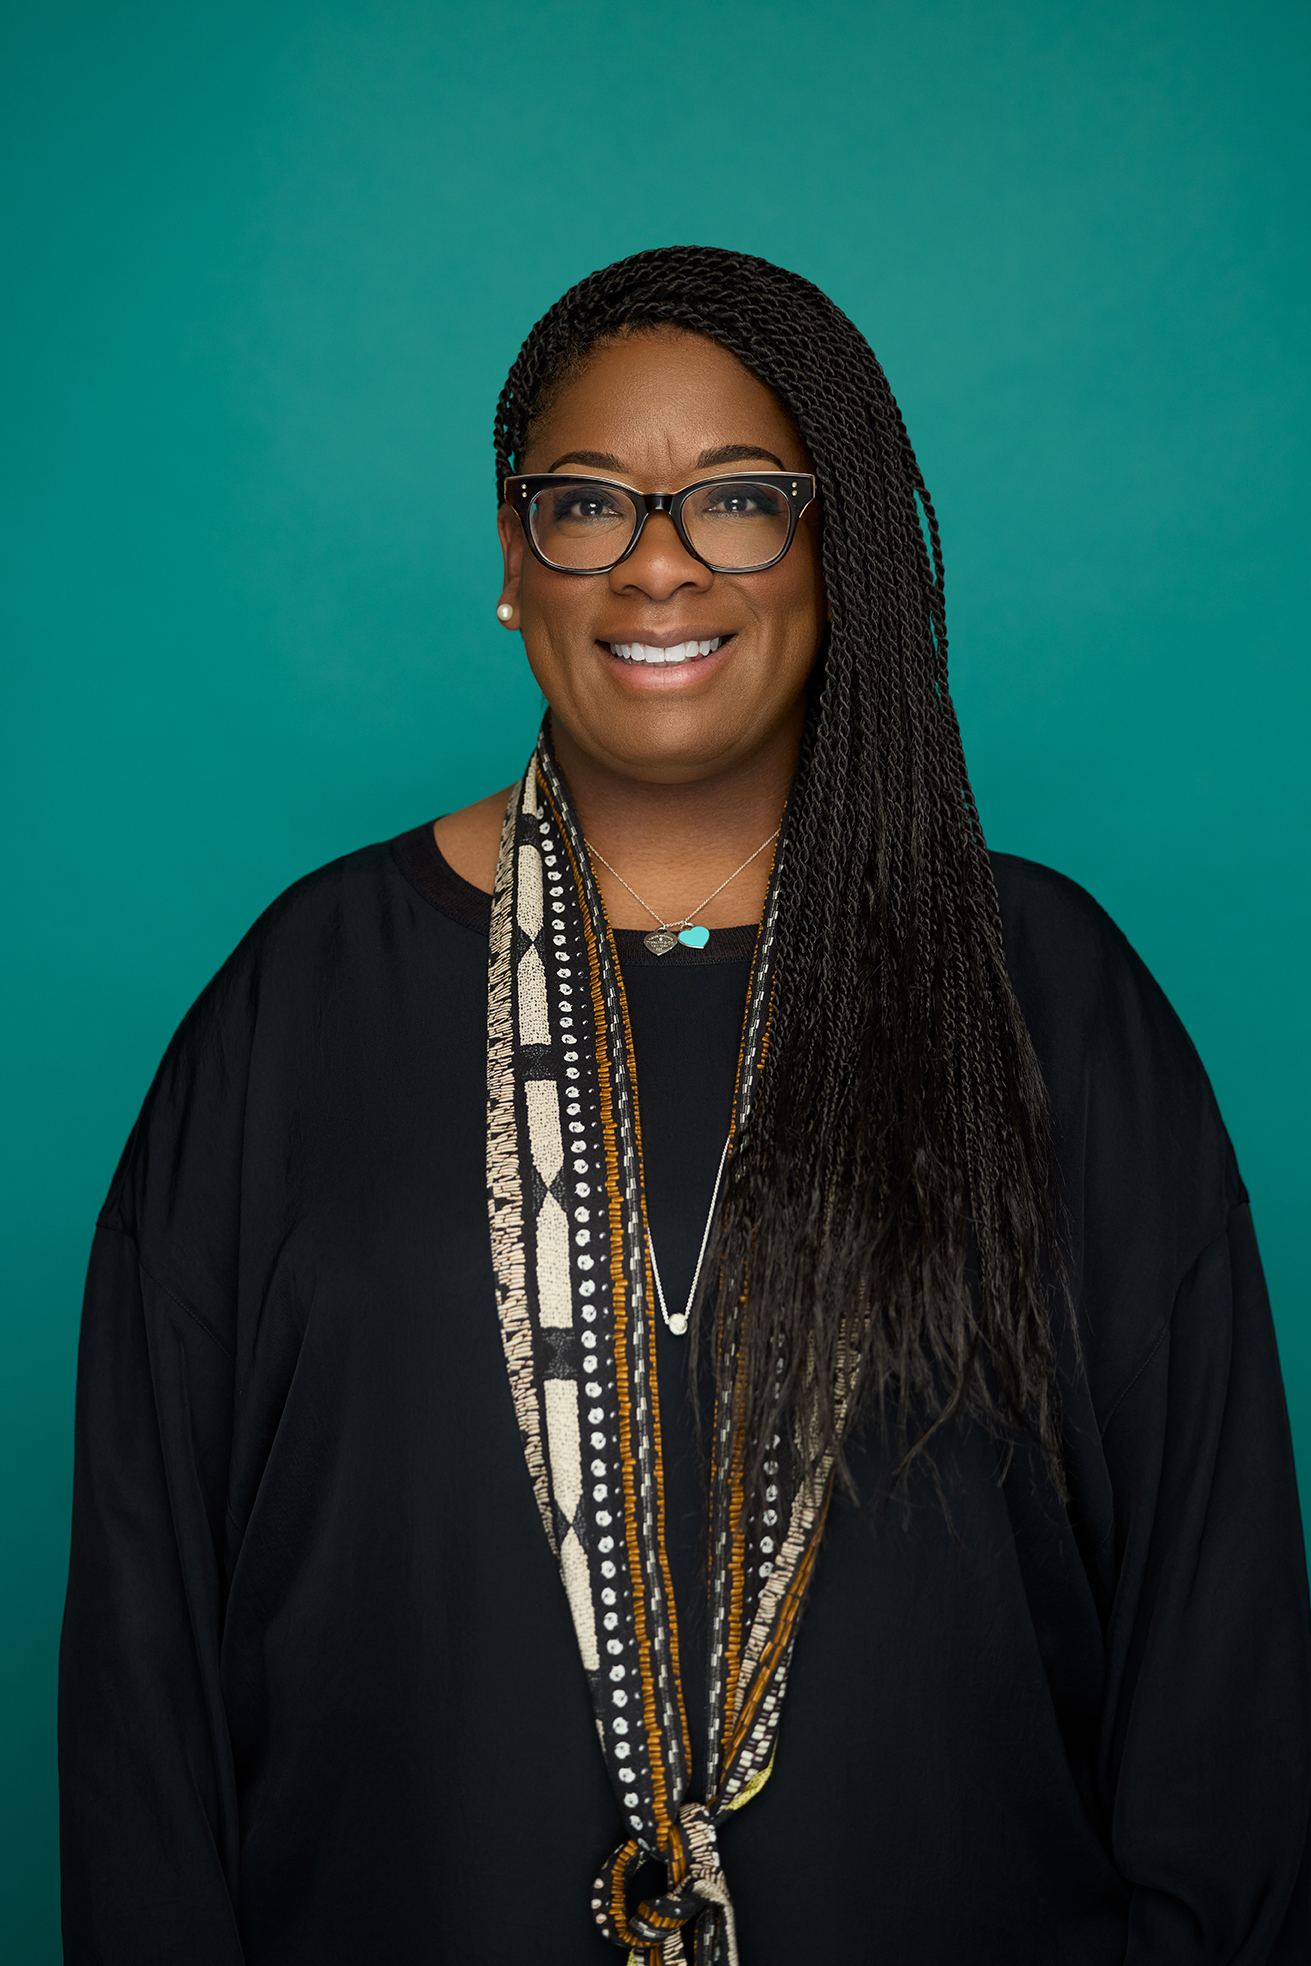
[1053, 926]
[331, 934]
[304, 934]
[1134, 1113]
[332, 923]
[351, 896]
[1078, 978]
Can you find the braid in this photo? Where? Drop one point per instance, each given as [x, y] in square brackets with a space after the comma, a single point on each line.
[901, 1121]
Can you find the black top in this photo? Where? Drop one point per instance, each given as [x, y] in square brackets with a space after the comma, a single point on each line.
[321, 1699]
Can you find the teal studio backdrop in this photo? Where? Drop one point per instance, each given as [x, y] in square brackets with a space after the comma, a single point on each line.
[266, 267]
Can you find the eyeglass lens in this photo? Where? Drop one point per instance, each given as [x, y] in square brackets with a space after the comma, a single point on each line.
[733, 524]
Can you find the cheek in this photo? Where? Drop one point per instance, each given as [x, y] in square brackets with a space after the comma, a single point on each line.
[799, 624]
[556, 615]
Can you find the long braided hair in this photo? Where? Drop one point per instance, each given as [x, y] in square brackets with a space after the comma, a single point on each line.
[900, 1138]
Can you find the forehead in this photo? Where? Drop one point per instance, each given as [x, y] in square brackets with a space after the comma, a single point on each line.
[662, 395]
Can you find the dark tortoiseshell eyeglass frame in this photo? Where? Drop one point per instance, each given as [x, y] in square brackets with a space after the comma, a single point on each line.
[797, 487]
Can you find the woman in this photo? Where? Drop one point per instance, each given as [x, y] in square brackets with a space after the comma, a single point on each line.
[550, 1228]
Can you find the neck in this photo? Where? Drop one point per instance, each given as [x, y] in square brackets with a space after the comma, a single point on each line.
[675, 840]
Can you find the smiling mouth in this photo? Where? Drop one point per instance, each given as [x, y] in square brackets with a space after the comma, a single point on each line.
[680, 652]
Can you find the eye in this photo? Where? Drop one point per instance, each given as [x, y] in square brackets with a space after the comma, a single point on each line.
[584, 526]
[583, 505]
[743, 502]
[738, 522]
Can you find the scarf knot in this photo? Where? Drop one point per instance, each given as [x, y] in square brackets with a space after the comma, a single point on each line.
[695, 1887]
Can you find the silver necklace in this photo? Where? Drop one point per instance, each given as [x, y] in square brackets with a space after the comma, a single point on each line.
[678, 1323]
[687, 929]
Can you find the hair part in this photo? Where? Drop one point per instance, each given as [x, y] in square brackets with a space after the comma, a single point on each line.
[890, 1227]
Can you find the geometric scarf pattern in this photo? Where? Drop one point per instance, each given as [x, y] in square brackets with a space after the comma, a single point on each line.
[574, 1295]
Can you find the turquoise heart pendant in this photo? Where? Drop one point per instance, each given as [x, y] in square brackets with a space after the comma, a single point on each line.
[695, 937]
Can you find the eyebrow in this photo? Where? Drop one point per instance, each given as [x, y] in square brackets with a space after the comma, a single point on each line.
[725, 454]
[599, 461]
[736, 454]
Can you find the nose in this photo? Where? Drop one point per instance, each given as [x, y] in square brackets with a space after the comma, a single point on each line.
[659, 565]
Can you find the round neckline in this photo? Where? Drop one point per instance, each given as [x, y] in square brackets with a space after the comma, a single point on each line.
[428, 870]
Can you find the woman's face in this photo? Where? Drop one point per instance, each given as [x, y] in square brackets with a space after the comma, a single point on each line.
[657, 410]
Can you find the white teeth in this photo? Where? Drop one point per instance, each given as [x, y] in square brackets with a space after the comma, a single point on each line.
[680, 652]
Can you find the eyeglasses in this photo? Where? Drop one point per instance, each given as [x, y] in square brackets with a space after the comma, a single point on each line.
[732, 525]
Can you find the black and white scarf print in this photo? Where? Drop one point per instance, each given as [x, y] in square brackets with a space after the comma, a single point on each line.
[574, 1289]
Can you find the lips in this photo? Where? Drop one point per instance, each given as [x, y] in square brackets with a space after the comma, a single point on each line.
[679, 652]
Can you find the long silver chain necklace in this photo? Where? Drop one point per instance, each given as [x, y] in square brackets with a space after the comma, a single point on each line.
[687, 929]
[679, 1321]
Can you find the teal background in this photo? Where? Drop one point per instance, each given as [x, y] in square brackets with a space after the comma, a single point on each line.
[266, 266]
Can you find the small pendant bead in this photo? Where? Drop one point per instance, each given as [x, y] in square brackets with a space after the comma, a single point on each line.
[678, 1325]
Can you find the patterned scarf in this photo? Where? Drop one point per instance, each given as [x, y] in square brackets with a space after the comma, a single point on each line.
[574, 1290]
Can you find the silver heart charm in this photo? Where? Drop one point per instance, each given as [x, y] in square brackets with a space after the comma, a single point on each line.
[660, 941]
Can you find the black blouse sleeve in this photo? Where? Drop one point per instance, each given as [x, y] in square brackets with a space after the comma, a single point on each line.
[149, 1832]
[148, 1811]
[1207, 1716]
[1184, 1491]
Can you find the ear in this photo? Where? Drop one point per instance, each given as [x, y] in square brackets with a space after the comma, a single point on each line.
[513, 547]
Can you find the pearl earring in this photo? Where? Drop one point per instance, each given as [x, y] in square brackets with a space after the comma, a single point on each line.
[505, 612]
